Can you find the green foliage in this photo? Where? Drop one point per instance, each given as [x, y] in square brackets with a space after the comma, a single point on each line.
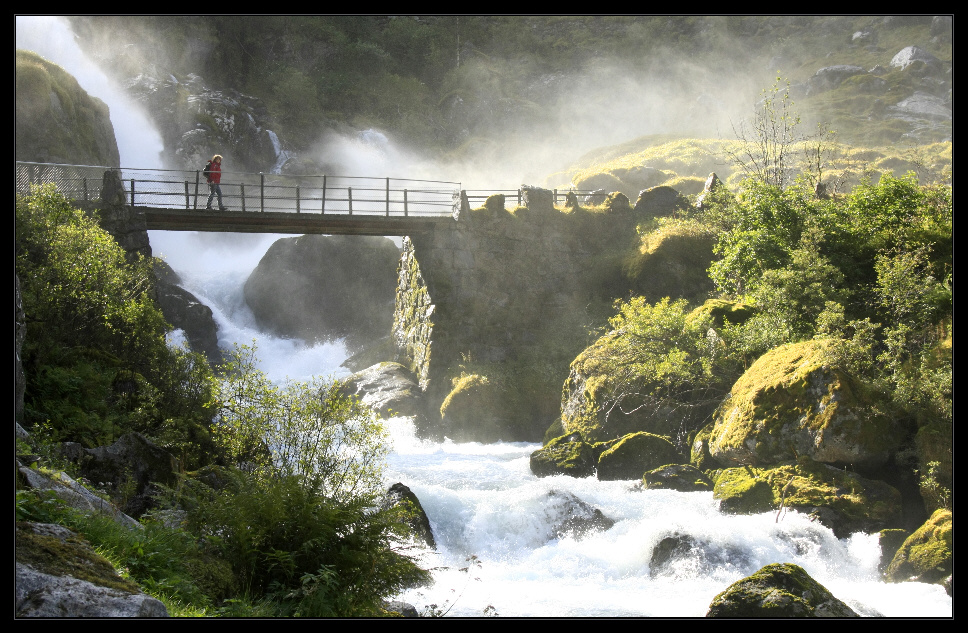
[94, 356]
[297, 514]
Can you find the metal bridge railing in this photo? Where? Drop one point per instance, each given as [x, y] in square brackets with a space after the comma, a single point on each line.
[262, 193]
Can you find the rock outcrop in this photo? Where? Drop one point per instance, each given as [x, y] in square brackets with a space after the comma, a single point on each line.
[781, 590]
[795, 402]
[58, 575]
[325, 287]
[57, 121]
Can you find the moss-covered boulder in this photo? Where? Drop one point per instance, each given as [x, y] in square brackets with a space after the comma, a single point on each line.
[57, 121]
[673, 261]
[780, 590]
[681, 477]
[722, 311]
[659, 201]
[794, 401]
[743, 490]
[588, 400]
[474, 411]
[926, 555]
[565, 455]
[635, 454]
[843, 501]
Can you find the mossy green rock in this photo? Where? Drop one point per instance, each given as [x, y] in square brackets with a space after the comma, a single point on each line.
[57, 121]
[843, 501]
[681, 477]
[586, 394]
[635, 454]
[473, 411]
[743, 490]
[926, 555]
[565, 455]
[780, 590]
[722, 311]
[794, 402]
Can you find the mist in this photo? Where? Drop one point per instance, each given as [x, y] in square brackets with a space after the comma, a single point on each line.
[51, 37]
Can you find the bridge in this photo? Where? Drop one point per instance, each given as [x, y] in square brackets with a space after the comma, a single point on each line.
[175, 200]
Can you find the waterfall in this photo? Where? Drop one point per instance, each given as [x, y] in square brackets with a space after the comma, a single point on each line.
[481, 499]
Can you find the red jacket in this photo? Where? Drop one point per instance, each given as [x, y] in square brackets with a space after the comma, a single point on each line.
[215, 172]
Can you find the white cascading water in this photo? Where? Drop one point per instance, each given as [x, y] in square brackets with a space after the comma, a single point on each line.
[483, 501]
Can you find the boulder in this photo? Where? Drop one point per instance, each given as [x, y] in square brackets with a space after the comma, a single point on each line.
[697, 555]
[926, 555]
[831, 77]
[399, 494]
[659, 201]
[635, 454]
[325, 288]
[387, 388]
[712, 184]
[780, 590]
[569, 516]
[185, 312]
[843, 501]
[681, 477]
[129, 470]
[58, 575]
[70, 492]
[912, 54]
[564, 455]
[794, 401]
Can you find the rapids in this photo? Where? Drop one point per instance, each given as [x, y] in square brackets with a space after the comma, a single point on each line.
[496, 521]
[489, 514]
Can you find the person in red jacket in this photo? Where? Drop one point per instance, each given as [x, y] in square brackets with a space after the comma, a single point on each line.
[214, 172]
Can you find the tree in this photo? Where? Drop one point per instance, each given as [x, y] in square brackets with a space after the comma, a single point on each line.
[767, 139]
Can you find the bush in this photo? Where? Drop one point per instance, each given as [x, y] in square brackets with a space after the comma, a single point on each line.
[297, 513]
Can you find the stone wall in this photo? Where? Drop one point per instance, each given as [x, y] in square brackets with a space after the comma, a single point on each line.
[501, 288]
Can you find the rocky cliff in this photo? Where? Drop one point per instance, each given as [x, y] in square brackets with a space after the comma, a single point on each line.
[56, 120]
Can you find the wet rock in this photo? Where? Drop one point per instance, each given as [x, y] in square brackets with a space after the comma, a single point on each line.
[570, 516]
[387, 388]
[681, 477]
[781, 590]
[635, 454]
[185, 312]
[564, 455]
[399, 494]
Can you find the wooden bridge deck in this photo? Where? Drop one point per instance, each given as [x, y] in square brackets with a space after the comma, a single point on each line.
[159, 219]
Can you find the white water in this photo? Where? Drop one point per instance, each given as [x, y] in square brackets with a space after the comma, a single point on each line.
[483, 501]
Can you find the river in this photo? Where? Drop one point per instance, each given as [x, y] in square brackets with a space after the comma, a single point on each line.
[489, 514]
[492, 518]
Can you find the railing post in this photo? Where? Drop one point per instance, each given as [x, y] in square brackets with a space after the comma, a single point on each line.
[197, 176]
[297, 198]
[262, 192]
[322, 209]
[519, 197]
[555, 198]
[132, 192]
[349, 198]
[188, 200]
[388, 197]
[405, 210]
[85, 188]
[242, 189]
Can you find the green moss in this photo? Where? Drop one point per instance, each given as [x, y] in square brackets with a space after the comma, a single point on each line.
[780, 590]
[633, 455]
[744, 490]
[926, 555]
[565, 455]
[71, 557]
